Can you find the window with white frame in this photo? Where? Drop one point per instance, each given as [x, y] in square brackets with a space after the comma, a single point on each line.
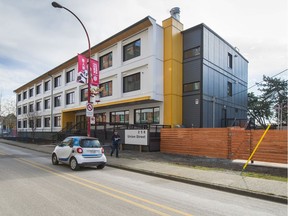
[70, 98]
[132, 50]
[47, 122]
[57, 121]
[47, 103]
[57, 101]
[70, 76]
[38, 105]
[47, 85]
[131, 83]
[57, 81]
[105, 61]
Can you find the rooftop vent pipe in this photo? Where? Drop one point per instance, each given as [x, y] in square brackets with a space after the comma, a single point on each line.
[175, 13]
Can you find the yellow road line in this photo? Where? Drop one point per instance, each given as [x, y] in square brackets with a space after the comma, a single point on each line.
[68, 176]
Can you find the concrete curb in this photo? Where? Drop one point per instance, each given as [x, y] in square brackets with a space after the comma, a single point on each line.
[253, 194]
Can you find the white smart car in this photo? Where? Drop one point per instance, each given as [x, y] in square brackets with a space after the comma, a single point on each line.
[79, 151]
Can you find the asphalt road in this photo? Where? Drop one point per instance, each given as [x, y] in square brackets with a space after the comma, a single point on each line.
[31, 185]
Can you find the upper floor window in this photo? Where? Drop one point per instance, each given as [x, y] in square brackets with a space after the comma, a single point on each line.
[230, 60]
[25, 123]
[24, 109]
[106, 61]
[47, 122]
[31, 108]
[57, 81]
[107, 89]
[24, 95]
[57, 101]
[19, 97]
[192, 52]
[132, 50]
[31, 90]
[47, 104]
[38, 122]
[19, 124]
[70, 76]
[19, 111]
[38, 105]
[194, 86]
[84, 94]
[229, 89]
[131, 83]
[47, 85]
[38, 89]
[70, 98]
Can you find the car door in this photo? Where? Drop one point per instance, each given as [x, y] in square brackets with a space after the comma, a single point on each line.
[65, 149]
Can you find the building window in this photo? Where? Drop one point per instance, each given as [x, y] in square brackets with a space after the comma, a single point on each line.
[38, 105]
[106, 89]
[19, 125]
[31, 108]
[31, 123]
[230, 60]
[132, 50]
[106, 61]
[47, 122]
[24, 109]
[38, 122]
[101, 117]
[47, 85]
[24, 123]
[229, 89]
[119, 117]
[19, 97]
[57, 121]
[31, 90]
[47, 104]
[19, 111]
[192, 52]
[70, 76]
[70, 98]
[84, 94]
[57, 81]
[131, 83]
[147, 116]
[38, 89]
[189, 87]
[57, 101]
[24, 95]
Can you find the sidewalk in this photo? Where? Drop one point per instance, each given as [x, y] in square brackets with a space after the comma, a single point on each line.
[178, 168]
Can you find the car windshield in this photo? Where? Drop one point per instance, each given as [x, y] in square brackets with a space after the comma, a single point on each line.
[89, 143]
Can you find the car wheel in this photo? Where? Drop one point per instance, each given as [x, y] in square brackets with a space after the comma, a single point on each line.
[54, 159]
[74, 164]
[100, 166]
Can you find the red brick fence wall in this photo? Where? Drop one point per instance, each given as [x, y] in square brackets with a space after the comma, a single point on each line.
[230, 143]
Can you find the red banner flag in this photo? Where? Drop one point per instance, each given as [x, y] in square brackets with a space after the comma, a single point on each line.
[94, 71]
[82, 76]
[83, 70]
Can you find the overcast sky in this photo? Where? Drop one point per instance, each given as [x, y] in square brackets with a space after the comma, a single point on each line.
[35, 37]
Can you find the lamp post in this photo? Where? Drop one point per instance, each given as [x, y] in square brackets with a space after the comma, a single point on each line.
[56, 5]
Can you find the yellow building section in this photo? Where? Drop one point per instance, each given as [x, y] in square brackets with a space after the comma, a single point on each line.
[173, 76]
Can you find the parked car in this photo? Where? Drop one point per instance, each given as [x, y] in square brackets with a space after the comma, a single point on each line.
[79, 151]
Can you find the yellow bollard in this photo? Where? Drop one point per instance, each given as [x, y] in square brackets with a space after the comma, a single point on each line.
[244, 167]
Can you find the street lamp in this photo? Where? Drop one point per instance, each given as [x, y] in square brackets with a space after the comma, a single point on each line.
[56, 5]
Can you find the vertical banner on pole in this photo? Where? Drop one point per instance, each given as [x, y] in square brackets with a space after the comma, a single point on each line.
[82, 76]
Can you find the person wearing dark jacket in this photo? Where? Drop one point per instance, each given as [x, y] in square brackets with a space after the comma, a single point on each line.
[115, 144]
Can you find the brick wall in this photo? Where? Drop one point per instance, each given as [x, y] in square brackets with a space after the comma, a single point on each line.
[230, 143]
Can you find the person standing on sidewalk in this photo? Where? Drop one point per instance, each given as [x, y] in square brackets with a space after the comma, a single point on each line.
[115, 144]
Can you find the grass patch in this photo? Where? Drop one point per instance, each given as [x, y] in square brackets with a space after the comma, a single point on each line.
[265, 176]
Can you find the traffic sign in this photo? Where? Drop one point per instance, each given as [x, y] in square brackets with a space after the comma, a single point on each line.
[89, 110]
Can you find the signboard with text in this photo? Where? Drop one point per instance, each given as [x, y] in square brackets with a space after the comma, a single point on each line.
[136, 137]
